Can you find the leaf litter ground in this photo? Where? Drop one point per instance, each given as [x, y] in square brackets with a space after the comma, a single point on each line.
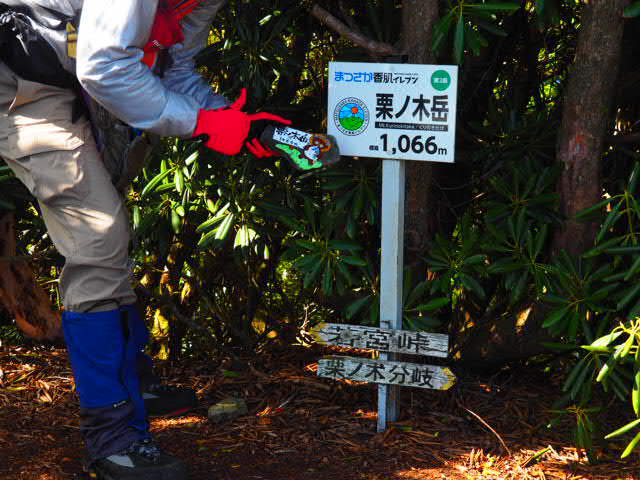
[301, 427]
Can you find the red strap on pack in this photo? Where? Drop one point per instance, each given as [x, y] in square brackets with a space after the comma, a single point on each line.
[182, 8]
[166, 30]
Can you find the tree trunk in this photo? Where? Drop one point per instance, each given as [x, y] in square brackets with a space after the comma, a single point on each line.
[494, 342]
[585, 119]
[20, 293]
[418, 19]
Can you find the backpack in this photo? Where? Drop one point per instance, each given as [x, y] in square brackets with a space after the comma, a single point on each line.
[24, 49]
[26, 52]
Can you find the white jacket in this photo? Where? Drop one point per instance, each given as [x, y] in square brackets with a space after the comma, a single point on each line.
[111, 36]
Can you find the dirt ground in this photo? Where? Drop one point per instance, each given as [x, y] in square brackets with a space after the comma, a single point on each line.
[301, 427]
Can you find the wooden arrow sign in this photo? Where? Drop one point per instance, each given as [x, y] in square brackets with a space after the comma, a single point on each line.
[383, 371]
[382, 339]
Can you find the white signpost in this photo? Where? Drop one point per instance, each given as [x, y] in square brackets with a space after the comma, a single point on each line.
[396, 112]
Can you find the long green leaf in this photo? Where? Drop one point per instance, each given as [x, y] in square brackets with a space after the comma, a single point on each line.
[555, 317]
[214, 220]
[631, 294]
[598, 249]
[458, 41]
[223, 229]
[473, 40]
[307, 260]
[580, 379]
[344, 270]
[573, 374]
[192, 158]
[631, 446]
[591, 348]
[474, 260]
[495, 7]
[307, 244]
[606, 369]
[635, 394]
[311, 275]
[327, 283]
[153, 183]
[594, 207]
[206, 239]
[433, 304]
[353, 260]
[345, 245]
[632, 10]
[612, 217]
[472, 284]
[178, 179]
[356, 306]
[606, 339]
[622, 250]
[441, 30]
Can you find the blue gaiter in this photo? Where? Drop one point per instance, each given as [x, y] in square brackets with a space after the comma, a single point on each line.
[103, 351]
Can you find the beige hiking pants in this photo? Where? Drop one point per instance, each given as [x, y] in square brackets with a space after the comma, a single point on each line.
[59, 164]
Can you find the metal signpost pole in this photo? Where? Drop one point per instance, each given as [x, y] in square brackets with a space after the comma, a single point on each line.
[391, 275]
[398, 112]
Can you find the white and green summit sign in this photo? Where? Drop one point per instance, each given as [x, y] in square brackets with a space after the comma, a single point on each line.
[391, 110]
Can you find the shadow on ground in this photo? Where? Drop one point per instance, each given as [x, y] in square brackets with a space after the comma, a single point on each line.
[301, 427]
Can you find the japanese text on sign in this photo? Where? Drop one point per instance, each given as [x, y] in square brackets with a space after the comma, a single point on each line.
[382, 371]
[386, 340]
[376, 77]
[380, 110]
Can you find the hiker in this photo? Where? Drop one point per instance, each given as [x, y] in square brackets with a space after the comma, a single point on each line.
[76, 78]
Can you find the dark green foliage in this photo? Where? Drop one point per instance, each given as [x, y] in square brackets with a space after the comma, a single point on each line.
[237, 252]
[596, 303]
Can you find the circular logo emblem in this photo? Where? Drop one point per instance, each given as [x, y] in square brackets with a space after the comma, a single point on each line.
[351, 116]
[440, 80]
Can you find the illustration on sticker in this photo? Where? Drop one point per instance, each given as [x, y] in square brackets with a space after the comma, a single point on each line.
[351, 116]
[305, 151]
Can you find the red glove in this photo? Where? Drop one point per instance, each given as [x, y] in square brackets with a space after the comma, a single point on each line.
[259, 150]
[228, 127]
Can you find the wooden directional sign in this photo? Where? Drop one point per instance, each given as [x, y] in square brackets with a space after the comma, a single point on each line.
[387, 372]
[382, 339]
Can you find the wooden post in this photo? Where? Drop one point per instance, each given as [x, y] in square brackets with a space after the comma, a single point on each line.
[391, 274]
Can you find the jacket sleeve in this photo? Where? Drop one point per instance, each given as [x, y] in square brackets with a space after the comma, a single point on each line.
[182, 76]
[109, 67]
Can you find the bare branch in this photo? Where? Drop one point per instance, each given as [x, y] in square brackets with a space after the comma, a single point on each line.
[348, 17]
[372, 46]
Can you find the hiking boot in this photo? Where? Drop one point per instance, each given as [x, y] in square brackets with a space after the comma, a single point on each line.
[168, 400]
[143, 460]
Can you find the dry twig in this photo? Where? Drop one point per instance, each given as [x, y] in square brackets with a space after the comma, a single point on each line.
[504, 445]
[374, 47]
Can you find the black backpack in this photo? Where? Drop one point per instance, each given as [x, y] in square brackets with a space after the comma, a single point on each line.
[25, 51]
